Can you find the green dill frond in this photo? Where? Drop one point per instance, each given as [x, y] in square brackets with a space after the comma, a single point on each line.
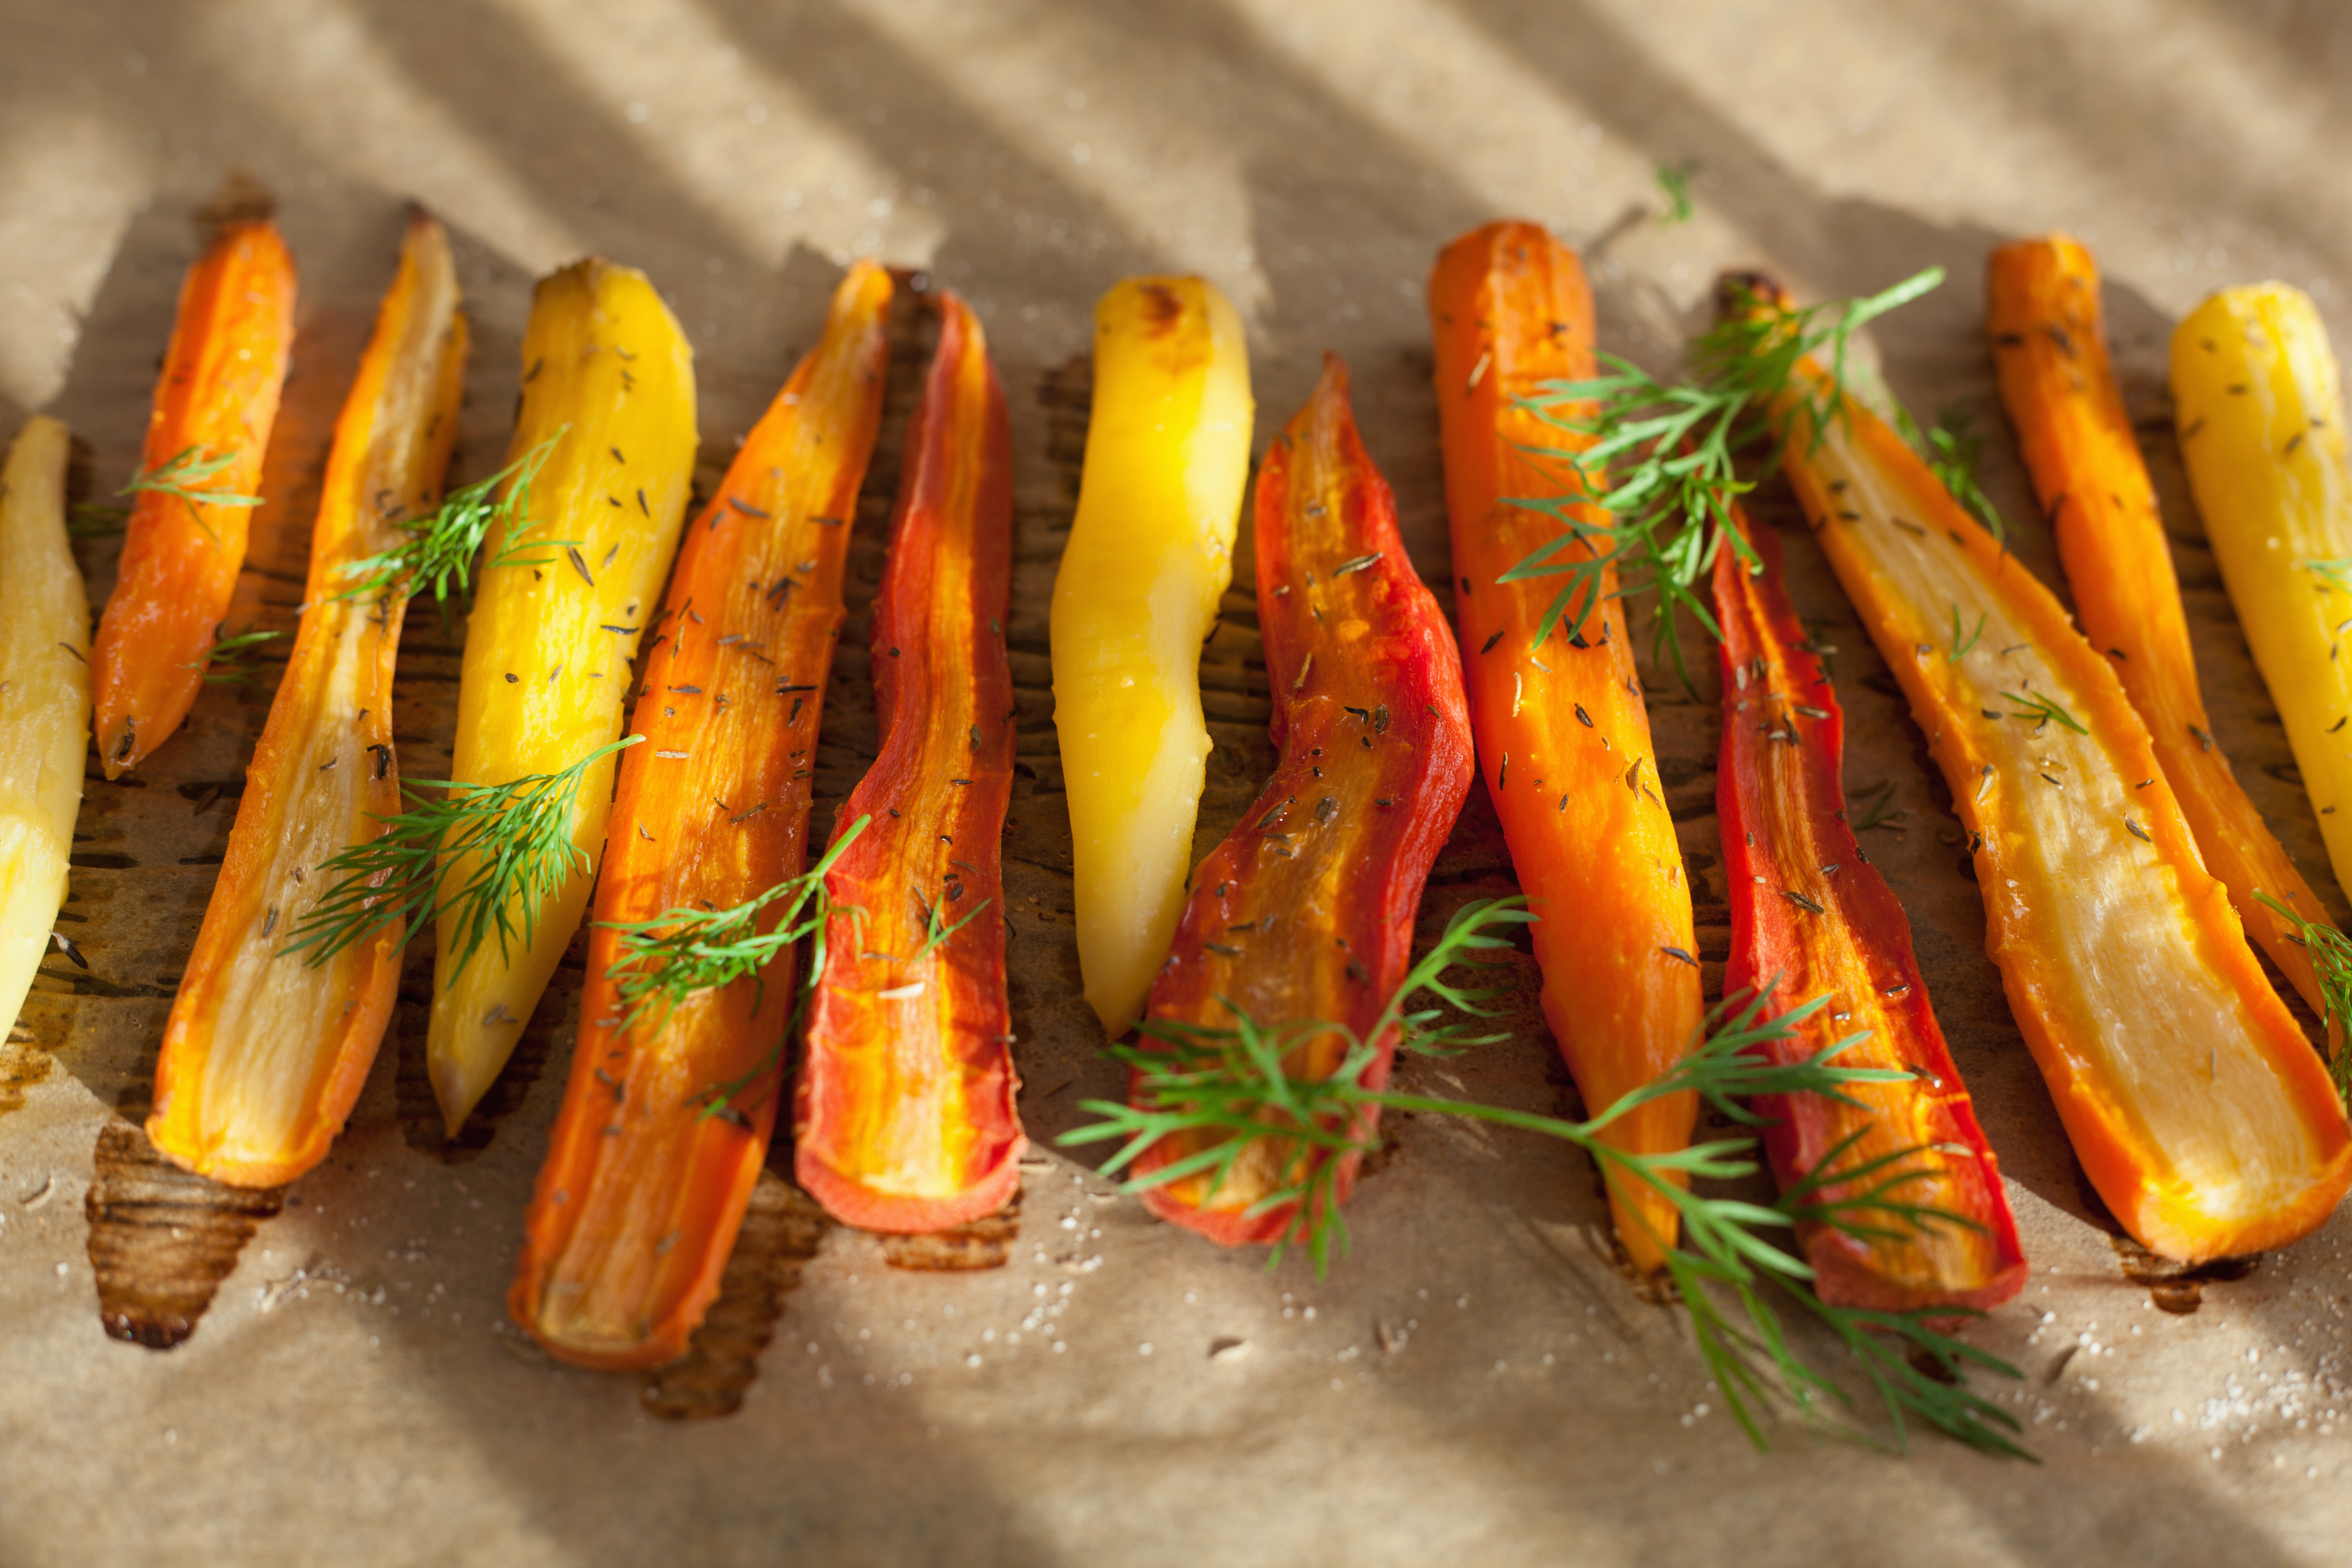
[682, 951]
[440, 547]
[517, 833]
[2042, 710]
[88, 520]
[225, 662]
[1676, 447]
[1878, 809]
[934, 932]
[2337, 574]
[2331, 961]
[1673, 183]
[1960, 645]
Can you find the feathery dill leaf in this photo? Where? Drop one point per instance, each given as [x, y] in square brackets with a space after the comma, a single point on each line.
[519, 835]
[682, 951]
[1677, 446]
[2331, 961]
[1878, 809]
[441, 547]
[225, 663]
[1673, 183]
[1234, 1084]
[1952, 450]
[183, 475]
[2042, 710]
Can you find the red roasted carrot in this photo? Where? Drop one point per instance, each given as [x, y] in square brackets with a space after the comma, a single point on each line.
[666, 1116]
[215, 404]
[1811, 917]
[1306, 911]
[266, 1051]
[1563, 731]
[904, 1117]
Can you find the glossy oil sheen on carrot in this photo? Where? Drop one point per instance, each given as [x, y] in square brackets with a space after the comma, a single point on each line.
[648, 1172]
[1306, 911]
[1563, 731]
[905, 1117]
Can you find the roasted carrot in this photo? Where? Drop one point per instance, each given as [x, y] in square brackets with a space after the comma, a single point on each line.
[603, 445]
[44, 703]
[2199, 1113]
[214, 402]
[904, 1114]
[1563, 733]
[1150, 556]
[1811, 917]
[2259, 404]
[666, 1115]
[2050, 346]
[266, 1050]
[1306, 911]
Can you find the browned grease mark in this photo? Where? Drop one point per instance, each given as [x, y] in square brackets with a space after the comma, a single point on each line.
[781, 1233]
[161, 1238]
[2173, 1287]
[22, 1063]
[985, 1243]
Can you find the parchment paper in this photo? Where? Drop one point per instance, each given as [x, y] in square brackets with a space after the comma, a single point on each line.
[1476, 1383]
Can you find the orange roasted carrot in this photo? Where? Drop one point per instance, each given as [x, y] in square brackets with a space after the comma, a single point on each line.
[666, 1116]
[2050, 346]
[1306, 911]
[2197, 1108]
[266, 1049]
[215, 404]
[904, 1114]
[1562, 731]
[1811, 917]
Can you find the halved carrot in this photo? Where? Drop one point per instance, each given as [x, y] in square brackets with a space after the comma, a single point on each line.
[666, 1115]
[264, 1053]
[1811, 917]
[1563, 733]
[2050, 346]
[215, 404]
[1306, 911]
[2197, 1108]
[905, 1115]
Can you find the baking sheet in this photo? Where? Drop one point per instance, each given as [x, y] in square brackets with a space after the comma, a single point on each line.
[1475, 1382]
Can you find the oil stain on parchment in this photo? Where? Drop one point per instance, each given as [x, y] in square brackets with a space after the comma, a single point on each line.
[161, 1240]
[782, 1231]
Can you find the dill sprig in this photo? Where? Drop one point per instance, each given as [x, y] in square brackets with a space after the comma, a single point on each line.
[1960, 645]
[1234, 1084]
[1673, 183]
[225, 663]
[1878, 809]
[2337, 574]
[1677, 445]
[2042, 710]
[934, 932]
[682, 951]
[440, 547]
[2331, 961]
[90, 519]
[517, 833]
[1952, 450]
[183, 475]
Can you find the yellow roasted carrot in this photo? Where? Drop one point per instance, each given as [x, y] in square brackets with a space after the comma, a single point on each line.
[266, 1048]
[44, 703]
[2050, 346]
[2260, 412]
[607, 418]
[1149, 556]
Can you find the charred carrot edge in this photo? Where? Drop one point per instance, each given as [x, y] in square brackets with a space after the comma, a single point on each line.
[905, 1117]
[2049, 347]
[263, 1055]
[645, 1187]
[2130, 1035]
[1811, 917]
[1306, 911]
[1563, 733]
[217, 398]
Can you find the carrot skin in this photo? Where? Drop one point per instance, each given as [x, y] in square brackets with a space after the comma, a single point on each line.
[643, 1187]
[2198, 1111]
[905, 1115]
[1306, 910]
[1563, 733]
[217, 396]
[264, 1055]
[1781, 798]
[2049, 347]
